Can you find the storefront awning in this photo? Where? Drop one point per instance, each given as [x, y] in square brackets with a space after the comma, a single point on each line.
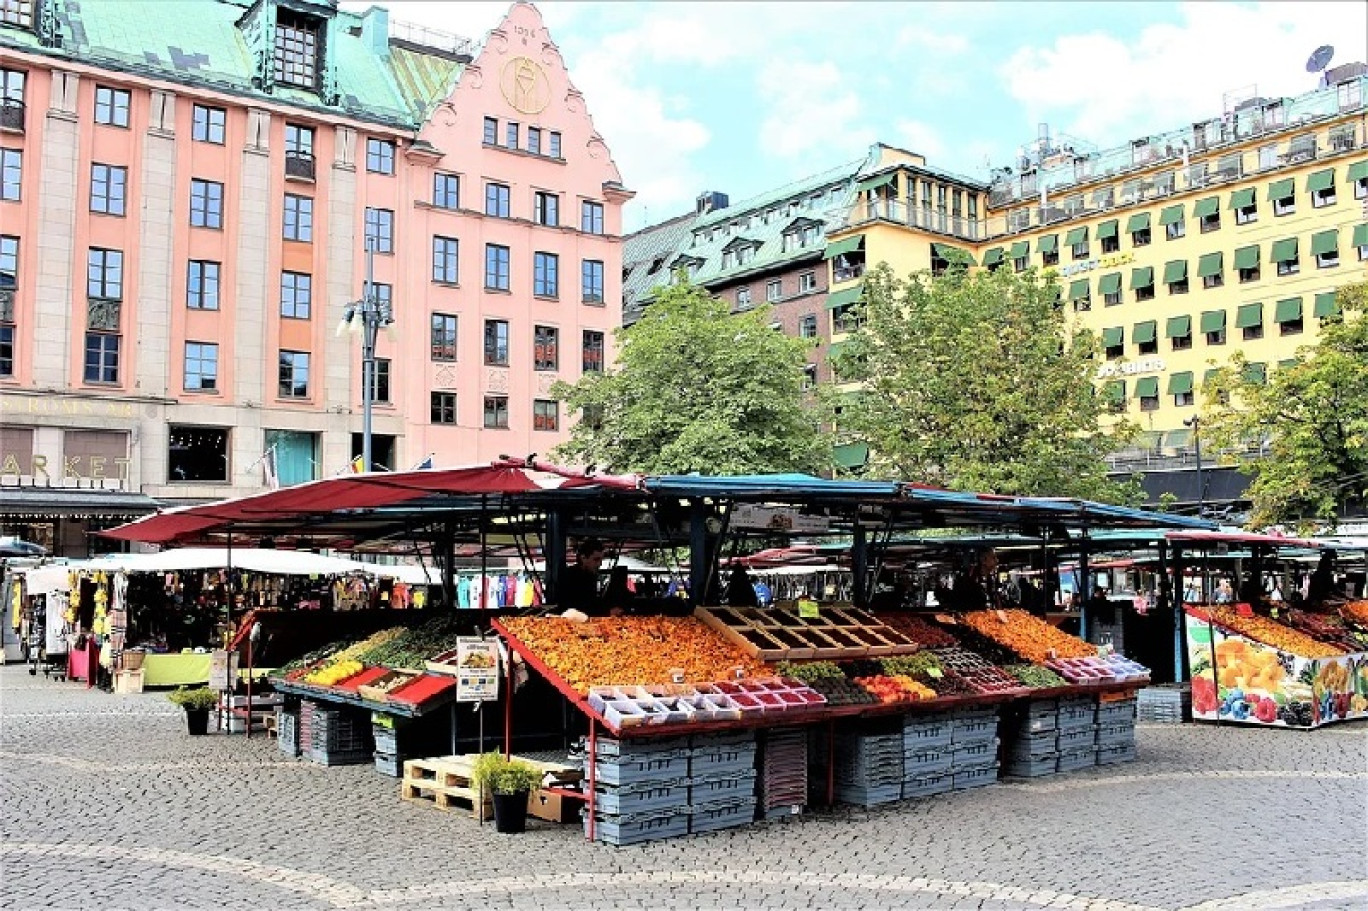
[1205, 208]
[1175, 271]
[1171, 215]
[1178, 327]
[1213, 321]
[1249, 316]
[1209, 265]
[845, 297]
[1325, 242]
[1326, 305]
[1358, 171]
[1320, 180]
[1144, 333]
[992, 256]
[843, 246]
[1021, 248]
[74, 503]
[1247, 257]
[1288, 310]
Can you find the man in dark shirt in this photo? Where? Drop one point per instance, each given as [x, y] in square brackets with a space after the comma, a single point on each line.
[578, 588]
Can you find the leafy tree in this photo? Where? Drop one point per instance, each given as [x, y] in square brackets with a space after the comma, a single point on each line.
[698, 388]
[1313, 415]
[969, 384]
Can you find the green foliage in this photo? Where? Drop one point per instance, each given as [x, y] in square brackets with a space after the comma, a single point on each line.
[497, 775]
[1314, 415]
[698, 388]
[200, 698]
[967, 386]
[1166, 501]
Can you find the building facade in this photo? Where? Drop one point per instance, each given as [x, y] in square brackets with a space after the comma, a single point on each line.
[189, 198]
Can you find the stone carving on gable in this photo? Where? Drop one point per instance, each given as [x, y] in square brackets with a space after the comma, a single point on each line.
[496, 380]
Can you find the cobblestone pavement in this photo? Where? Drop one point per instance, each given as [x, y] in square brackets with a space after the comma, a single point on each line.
[106, 804]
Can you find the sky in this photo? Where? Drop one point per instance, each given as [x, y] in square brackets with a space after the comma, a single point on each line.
[742, 97]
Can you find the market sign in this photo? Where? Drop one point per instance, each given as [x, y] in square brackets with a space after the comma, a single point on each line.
[766, 518]
[223, 669]
[1087, 265]
[477, 666]
[1131, 368]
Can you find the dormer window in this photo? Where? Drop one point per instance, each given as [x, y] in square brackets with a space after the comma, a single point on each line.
[296, 49]
[17, 12]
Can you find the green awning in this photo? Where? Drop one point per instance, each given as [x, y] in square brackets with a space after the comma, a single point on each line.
[1137, 222]
[1205, 208]
[1247, 257]
[1212, 321]
[1210, 375]
[1180, 383]
[1170, 215]
[1282, 189]
[1178, 327]
[851, 455]
[845, 297]
[874, 183]
[1289, 362]
[1326, 305]
[1361, 235]
[1284, 251]
[1325, 242]
[1107, 229]
[1358, 170]
[1113, 337]
[1077, 235]
[1114, 391]
[1147, 387]
[1144, 333]
[1175, 270]
[1288, 310]
[1249, 316]
[1109, 283]
[834, 350]
[992, 256]
[843, 246]
[1256, 373]
[1048, 244]
[954, 255]
[1182, 437]
[1020, 249]
[1079, 290]
[1242, 199]
[1209, 265]
[1320, 180]
[1142, 277]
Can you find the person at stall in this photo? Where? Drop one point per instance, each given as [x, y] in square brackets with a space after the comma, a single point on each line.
[618, 596]
[891, 594]
[1100, 607]
[578, 587]
[740, 591]
[1322, 583]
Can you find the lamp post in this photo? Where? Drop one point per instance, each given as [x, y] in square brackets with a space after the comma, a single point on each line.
[1195, 422]
[366, 316]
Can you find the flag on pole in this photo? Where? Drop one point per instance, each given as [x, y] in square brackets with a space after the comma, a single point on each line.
[358, 464]
[425, 464]
[269, 470]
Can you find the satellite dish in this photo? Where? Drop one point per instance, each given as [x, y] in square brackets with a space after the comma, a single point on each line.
[1320, 58]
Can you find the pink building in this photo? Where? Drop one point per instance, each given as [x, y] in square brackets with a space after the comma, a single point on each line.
[187, 197]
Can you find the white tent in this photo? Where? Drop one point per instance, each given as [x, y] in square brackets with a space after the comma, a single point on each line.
[282, 562]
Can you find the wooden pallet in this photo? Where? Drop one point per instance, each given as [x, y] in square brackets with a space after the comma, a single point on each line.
[446, 783]
[782, 635]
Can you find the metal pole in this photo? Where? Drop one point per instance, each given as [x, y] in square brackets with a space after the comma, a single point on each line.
[370, 326]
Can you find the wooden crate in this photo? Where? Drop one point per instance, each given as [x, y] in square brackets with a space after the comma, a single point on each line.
[446, 783]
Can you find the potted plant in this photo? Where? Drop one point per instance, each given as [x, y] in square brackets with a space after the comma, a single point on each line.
[197, 702]
[509, 781]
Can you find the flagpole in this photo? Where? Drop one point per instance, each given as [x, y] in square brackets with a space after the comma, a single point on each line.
[370, 327]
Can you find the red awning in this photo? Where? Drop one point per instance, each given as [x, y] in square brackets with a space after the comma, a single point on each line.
[1236, 537]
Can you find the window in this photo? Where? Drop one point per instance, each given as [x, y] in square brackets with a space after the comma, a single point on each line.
[446, 191]
[1149, 402]
[496, 343]
[1175, 229]
[1250, 274]
[591, 281]
[383, 372]
[443, 337]
[809, 377]
[380, 230]
[496, 412]
[201, 367]
[1327, 260]
[545, 348]
[299, 218]
[1149, 347]
[444, 408]
[511, 135]
[743, 296]
[1048, 257]
[207, 124]
[1210, 222]
[11, 173]
[554, 145]
[1324, 197]
[1216, 336]
[379, 156]
[111, 106]
[206, 204]
[202, 285]
[1249, 214]
[294, 374]
[1113, 344]
[593, 351]
[1180, 339]
[807, 282]
[1360, 185]
[546, 275]
[444, 259]
[1291, 327]
[11, 96]
[807, 326]
[591, 217]
[546, 209]
[496, 267]
[104, 274]
[196, 454]
[1140, 238]
[295, 53]
[101, 357]
[774, 290]
[1286, 206]
[534, 140]
[6, 349]
[299, 151]
[1110, 244]
[545, 414]
[296, 294]
[1079, 250]
[496, 200]
[491, 131]
[108, 189]
[1290, 266]
[1181, 399]
[17, 12]
[9, 260]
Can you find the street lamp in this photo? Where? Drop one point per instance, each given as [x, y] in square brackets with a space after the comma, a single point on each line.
[1195, 422]
[366, 316]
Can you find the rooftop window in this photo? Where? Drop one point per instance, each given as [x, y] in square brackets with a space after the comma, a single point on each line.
[296, 49]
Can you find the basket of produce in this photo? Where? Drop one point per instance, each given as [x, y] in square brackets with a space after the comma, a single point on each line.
[378, 690]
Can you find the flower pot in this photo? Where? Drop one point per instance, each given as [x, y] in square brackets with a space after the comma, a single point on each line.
[197, 721]
[510, 812]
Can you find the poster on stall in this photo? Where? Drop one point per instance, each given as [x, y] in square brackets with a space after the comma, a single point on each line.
[477, 664]
[1238, 680]
[223, 668]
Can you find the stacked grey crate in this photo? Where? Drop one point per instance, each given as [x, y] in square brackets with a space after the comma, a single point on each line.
[1116, 731]
[927, 754]
[783, 772]
[336, 737]
[389, 758]
[1031, 739]
[1170, 703]
[722, 781]
[641, 789]
[287, 730]
[868, 761]
[973, 748]
[1076, 724]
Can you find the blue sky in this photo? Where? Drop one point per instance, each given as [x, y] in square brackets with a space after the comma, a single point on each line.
[741, 97]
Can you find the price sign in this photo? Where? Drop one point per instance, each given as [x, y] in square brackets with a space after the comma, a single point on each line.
[477, 670]
[934, 673]
[1001, 615]
[808, 609]
[1244, 610]
[223, 668]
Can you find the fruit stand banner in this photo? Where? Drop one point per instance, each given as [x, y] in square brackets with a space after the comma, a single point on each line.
[1237, 679]
[477, 679]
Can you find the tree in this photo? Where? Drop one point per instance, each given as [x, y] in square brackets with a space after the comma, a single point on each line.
[1313, 415]
[698, 388]
[974, 382]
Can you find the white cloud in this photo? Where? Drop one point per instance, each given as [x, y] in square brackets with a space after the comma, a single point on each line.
[809, 103]
[1107, 89]
[930, 41]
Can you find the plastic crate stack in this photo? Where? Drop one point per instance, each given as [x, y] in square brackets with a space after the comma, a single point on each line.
[783, 772]
[1031, 740]
[1167, 704]
[389, 760]
[336, 737]
[722, 781]
[641, 789]
[927, 755]
[1076, 737]
[287, 730]
[1116, 731]
[868, 768]
[973, 748]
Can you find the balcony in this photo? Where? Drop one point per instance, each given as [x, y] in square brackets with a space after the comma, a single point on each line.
[299, 166]
[896, 211]
[843, 271]
[11, 115]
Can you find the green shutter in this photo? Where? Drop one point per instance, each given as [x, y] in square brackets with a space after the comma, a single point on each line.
[992, 256]
[1142, 277]
[1358, 170]
[1175, 271]
[954, 255]
[1048, 244]
[1114, 391]
[1113, 337]
[1211, 374]
[874, 183]
[1140, 221]
[1326, 305]
[1205, 208]
[1242, 199]
[1107, 229]
[1144, 333]
[1320, 180]
[843, 246]
[1147, 387]
[851, 455]
[1076, 236]
[1325, 242]
[1288, 362]
[1247, 257]
[1256, 373]
[1109, 283]
[1209, 265]
[1170, 215]
[845, 297]
[1361, 235]
[1079, 290]
[1212, 321]
[1284, 251]
[1021, 249]
[1249, 316]
[1282, 189]
[1178, 327]
[1288, 310]
[1180, 383]
[1181, 438]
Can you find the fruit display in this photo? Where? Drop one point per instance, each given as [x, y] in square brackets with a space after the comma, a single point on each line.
[334, 672]
[986, 648]
[978, 673]
[1083, 670]
[1035, 677]
[949, 684]
[922, 632]
[895, 689]
[810, 671]
[1029, 636]
[1272, 633]
[1355, 612]
[915, 666]
[1329, 629]
[841, 691]
[411, 648]
[608, 651]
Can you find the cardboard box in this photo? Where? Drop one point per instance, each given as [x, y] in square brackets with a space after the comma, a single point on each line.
[553, 807]
[128, 682]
